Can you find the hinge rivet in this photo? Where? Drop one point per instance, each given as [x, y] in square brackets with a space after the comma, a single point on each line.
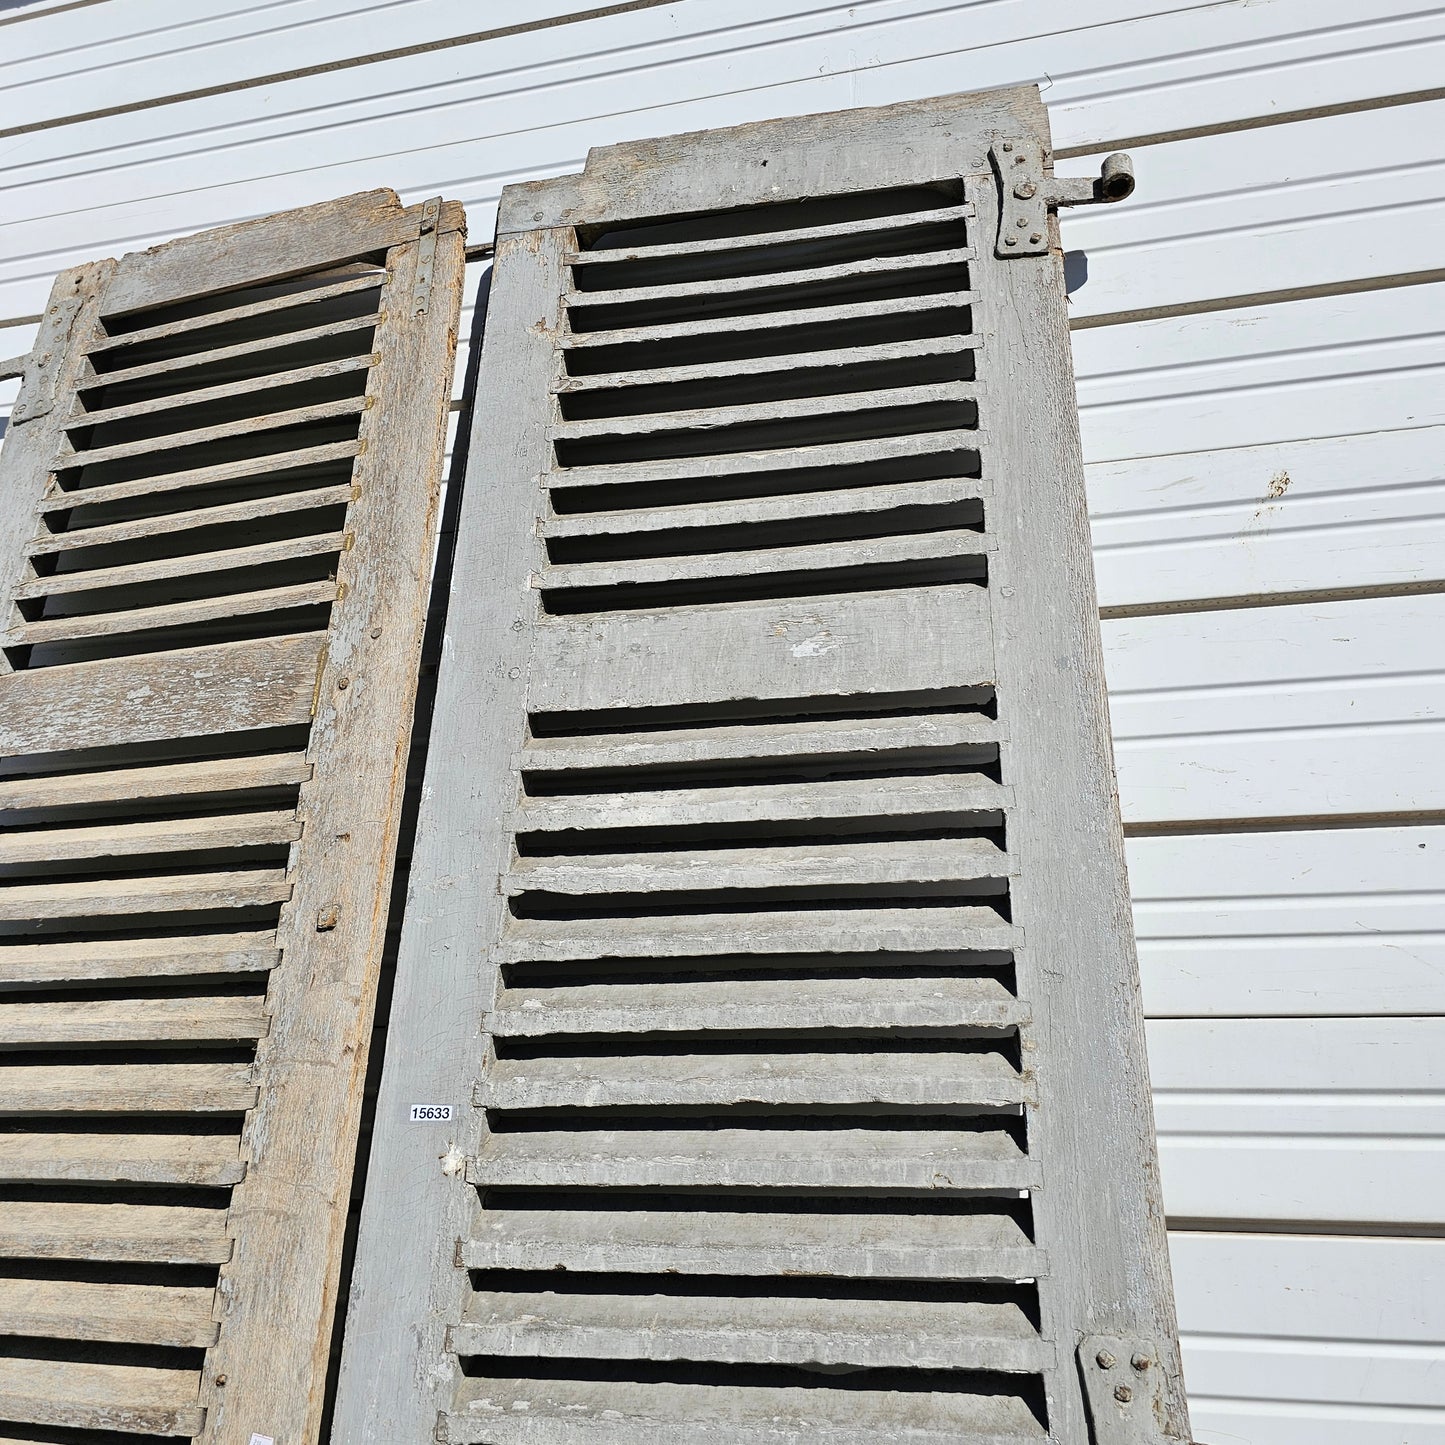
[1141, 1362]
[1123, 1394]
[1025, 190]
[1010, 240]
[1035, 239]
[1105, 1360]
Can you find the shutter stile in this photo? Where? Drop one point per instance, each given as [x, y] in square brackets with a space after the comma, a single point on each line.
[224, 500]
[749, 1048]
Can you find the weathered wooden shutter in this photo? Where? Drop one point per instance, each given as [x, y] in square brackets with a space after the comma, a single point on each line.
[765, 1063]
[217, 504]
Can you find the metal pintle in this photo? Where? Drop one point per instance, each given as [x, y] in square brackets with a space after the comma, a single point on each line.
[1027, 195]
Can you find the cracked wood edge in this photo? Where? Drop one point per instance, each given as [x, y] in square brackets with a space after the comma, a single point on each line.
[277, 1296]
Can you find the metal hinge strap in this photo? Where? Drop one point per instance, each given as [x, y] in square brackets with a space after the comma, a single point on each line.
[426, 256]
[1124, 1384]
[1027, 195]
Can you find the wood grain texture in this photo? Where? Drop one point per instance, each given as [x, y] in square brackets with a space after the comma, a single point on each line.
[227, 687]
[70, 315]
[273, 247]
[1093, 1123]
[395, 1376]
[597, 678]
[289, 1215]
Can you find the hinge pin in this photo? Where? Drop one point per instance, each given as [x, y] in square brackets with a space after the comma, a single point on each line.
[1027, 195]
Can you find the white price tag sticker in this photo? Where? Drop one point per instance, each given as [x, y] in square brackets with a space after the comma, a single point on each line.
[431, 1113]
[262, 1440]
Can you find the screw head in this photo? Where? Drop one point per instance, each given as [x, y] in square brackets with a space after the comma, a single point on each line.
[1035, 239]
[1025, 190]
[1123, 1394]
[1021, 223]
[1008, 145]
[1010, 240]
[976, 163]
[1141, 1362]
[1104, 1360]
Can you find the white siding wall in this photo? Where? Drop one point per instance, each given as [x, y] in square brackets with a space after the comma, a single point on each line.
[1261, 348]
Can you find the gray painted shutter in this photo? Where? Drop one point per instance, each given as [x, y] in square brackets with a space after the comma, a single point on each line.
[219, 494]
[769, 941]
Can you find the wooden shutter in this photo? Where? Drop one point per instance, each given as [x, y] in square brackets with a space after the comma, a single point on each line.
[770, 939]
[219, 491]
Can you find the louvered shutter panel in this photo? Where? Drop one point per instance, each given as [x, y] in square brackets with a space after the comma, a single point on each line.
[219, 491]
[769, 943]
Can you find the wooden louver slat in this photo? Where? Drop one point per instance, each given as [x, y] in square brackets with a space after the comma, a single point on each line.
[768, 944]
[218, 502]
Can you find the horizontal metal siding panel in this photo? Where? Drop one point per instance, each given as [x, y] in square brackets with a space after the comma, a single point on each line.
[1282, 208]
[1329, 921]
[1301, 1120]
[124, 55]
[1362, 511]
[1326, 710]
[1326, 367]
[1297, 1340]
[532, 104]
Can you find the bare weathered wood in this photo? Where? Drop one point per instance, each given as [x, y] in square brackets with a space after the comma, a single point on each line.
[28, 964]
[228, 559]
[125, 840]
[123, 1088]
[370, 280]
[75, 1310]
[223, 391]
[277, 462]
[133, 809]
[133, 1020]
[289, 1217]
[231, 512]
[165, 780]
[70, 315]
[173, 614]
[268, 249]
[241, 349]
[129, 1398]
[125, 1233]
[228, 687]
[205, 1159]
[104, 897]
